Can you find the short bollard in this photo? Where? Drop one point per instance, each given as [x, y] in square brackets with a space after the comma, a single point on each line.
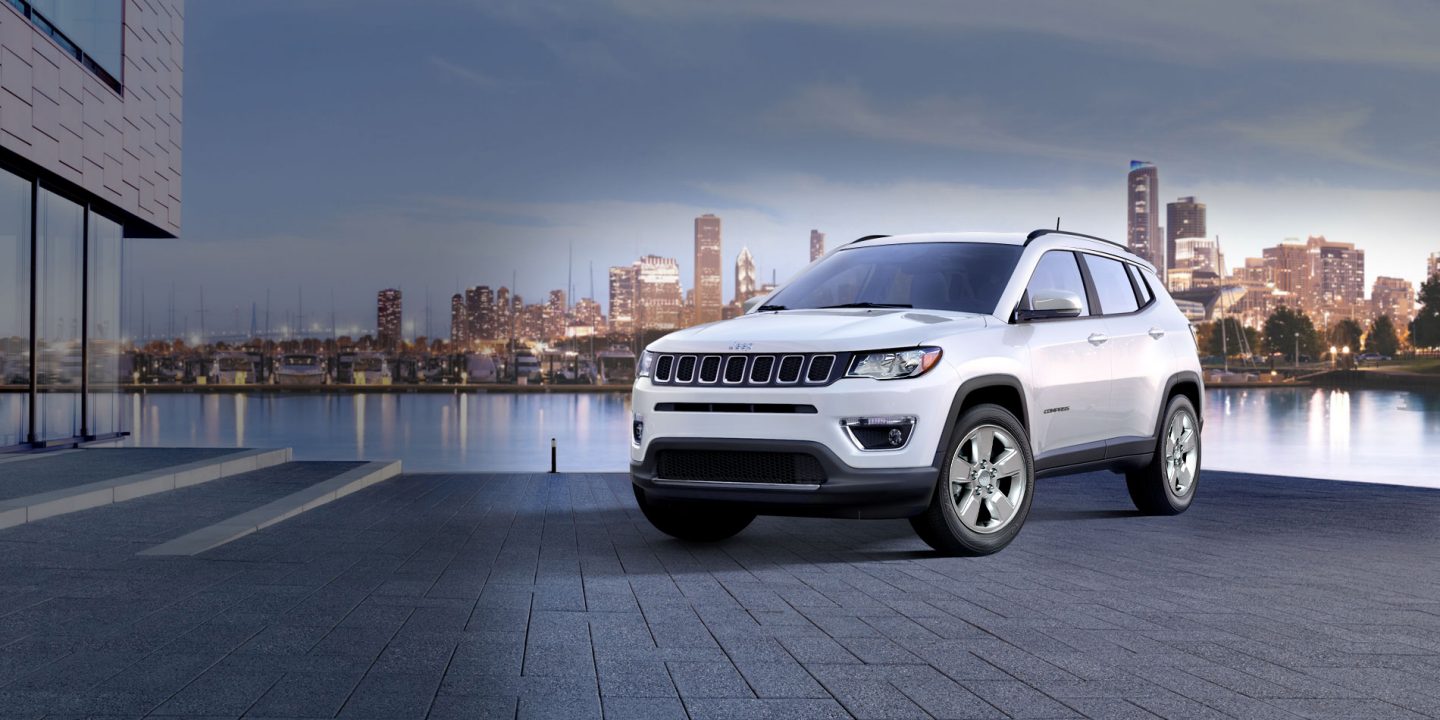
[552, 456]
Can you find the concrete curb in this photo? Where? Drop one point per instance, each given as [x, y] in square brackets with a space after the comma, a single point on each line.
[24, 456]
[18, 511]
[239, 526]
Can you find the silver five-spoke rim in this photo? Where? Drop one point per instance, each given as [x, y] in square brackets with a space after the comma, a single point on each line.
[987, 479]
[1181, 456]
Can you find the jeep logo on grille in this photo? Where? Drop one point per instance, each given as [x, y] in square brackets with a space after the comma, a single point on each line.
[739, 346]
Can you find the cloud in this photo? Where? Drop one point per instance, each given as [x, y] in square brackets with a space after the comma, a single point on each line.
[969, 124]
[1381, 32]
[463, 73]
[1328, 133]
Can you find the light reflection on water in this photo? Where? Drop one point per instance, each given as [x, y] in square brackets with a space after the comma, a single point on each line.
[427, 431]
[1368, 435]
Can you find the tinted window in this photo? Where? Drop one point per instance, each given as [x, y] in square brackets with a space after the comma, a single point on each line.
[1145, 295]
[1112, 285]
[960, 277]
[1058, 270]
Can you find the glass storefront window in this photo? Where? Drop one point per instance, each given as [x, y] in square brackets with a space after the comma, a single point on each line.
[60, 249]
[107, 371]
[14, 308]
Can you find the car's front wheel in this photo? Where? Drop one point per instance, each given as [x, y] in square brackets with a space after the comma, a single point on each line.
[693, 521]
[1167, 485]
[983, 494]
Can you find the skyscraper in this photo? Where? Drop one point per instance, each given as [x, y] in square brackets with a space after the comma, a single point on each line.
[622, 298]
[388, 316]
[557, 314]
[1288, 266]
[1432, 265]
[745, 272]
[485, 326]
[657, 293]
[707, 269]
[459, 322]
[1143, 227]
[817, 245]
[1337, 275]
[1184, 218]
[1394, 297]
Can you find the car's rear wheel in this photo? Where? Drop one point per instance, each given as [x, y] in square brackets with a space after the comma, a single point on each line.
[1167, 485]
[693, 521]
[983, 494]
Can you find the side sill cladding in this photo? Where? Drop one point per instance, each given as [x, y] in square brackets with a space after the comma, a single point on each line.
[970, 386]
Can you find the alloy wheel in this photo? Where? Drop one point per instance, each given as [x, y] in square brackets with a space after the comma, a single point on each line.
[987, 479]
[1181, 453]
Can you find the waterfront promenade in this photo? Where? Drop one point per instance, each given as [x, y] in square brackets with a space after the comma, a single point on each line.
[533, 596]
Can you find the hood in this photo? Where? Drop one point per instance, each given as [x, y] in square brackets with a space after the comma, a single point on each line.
[819, 331]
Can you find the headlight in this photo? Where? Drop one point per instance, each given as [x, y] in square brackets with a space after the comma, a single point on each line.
[647, 363]
[894, 364]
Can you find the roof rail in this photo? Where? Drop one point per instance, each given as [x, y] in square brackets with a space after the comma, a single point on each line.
[1042, 232]
[867, 237]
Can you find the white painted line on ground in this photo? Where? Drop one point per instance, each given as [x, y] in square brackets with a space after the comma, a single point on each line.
[18, 511]
[234, 528]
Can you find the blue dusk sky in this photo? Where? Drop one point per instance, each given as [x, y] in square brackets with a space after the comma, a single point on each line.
[351, 146]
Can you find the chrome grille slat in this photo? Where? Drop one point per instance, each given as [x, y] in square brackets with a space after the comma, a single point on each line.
[735, 363]
[758, 376]
[790, 368]
[686, 372]
[710, 369]
[825, 364]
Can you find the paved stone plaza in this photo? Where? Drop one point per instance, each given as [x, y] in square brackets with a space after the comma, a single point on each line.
[548, 596]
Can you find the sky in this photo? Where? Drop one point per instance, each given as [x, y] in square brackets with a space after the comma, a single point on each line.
[345, 147]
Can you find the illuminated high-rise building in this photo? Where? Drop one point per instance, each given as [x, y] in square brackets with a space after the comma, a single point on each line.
[622, 298]
[744, 276]
[658, 297]
[388, 318]
[1432, 265]
[1142, 196]
[1337, 274]
[817, 245]
[459, 321]
[1394, 297]
[707, 269]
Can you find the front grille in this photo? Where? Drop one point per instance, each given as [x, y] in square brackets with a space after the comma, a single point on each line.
[739, 466]
[763, 370]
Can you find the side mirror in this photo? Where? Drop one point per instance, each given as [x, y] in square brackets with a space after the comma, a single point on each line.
[1050, 304]
[748, 305]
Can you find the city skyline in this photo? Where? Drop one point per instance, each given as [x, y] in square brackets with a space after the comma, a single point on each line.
[494, 136]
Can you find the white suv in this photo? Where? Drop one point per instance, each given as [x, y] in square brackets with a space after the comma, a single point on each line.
[931, 377]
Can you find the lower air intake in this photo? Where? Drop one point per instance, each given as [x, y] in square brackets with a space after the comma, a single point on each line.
[739, 466]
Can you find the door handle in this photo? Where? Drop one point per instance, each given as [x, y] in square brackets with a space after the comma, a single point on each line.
[1098, 339]
[1157, 333]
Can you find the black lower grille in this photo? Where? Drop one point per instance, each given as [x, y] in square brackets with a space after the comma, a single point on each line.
[739, 466]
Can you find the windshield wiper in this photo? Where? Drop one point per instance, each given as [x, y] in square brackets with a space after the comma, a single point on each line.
[865, 305]
[770, 308]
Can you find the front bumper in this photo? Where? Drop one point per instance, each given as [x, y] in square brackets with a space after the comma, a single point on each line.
[858, 483]
[847, 491]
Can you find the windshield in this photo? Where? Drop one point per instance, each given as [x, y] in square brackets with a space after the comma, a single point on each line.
[960, 277]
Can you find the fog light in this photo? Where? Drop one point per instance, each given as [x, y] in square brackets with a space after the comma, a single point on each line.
[879, 433]
[637, 429]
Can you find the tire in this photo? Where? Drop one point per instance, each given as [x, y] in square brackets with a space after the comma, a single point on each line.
[984, 489]
[1167, 485]
[693, 521]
